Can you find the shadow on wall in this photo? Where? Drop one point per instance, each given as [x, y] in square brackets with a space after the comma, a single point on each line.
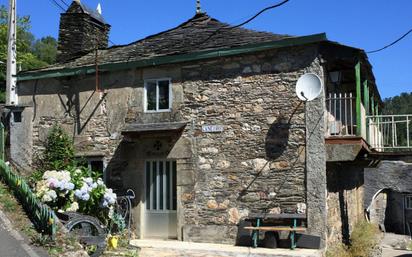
[282, 147]
[341, 181]
[277, 139]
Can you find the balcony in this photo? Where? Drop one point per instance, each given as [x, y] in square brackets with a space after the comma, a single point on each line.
[350, 132]
[389, 133]
[356, 130]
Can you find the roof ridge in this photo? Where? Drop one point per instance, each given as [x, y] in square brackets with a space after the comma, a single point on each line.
[197, 15]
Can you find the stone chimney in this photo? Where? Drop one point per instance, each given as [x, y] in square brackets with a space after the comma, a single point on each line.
[81, 30]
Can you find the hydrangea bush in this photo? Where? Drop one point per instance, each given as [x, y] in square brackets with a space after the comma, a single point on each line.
[76, 189]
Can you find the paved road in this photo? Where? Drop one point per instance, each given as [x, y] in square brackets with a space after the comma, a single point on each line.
[12, 244]
[395, 253]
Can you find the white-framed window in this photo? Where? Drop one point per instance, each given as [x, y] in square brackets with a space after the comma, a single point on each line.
[157, 95]
[408, 201]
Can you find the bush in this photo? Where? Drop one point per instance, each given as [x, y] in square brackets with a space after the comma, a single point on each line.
[59, 152]
[363, 240]
[75, 189]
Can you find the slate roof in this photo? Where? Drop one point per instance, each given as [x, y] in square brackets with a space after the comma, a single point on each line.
[199, 33]
[78, 7]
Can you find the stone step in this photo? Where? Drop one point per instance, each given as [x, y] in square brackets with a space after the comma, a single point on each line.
[161, 248]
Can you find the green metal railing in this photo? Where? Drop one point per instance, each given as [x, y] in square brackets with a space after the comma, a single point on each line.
[43, 218]
[390, 132]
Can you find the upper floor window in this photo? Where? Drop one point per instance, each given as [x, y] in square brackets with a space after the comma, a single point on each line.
[158, 95]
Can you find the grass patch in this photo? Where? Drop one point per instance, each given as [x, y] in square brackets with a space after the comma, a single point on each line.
[11, 207]
[363, 240]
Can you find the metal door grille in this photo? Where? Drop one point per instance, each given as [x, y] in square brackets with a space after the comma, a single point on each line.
[161, 186]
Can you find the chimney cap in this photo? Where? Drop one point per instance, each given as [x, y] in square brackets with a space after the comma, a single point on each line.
[99, 8]
[94, 13]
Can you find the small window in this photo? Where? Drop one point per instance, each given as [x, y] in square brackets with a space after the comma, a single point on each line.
[17, 116]
[408, 202]
[157, 95]
[95, 164]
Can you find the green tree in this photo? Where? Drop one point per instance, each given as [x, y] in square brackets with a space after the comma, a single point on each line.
[400, 104]
[25, 40]
[31, 53]
[45, 49]
[59, 150]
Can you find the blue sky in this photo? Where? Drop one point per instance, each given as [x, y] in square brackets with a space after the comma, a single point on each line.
[367, 24]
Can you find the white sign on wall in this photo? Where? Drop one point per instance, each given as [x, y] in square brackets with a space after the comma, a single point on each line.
[212, 128]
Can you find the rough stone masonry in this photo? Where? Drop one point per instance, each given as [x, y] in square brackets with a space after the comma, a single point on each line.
[256, 164]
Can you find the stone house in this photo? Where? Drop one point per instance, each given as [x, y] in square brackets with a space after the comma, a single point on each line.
[203, 122]
[388, 195]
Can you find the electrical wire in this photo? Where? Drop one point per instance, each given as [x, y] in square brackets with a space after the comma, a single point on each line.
[58, 5]
[64, 3]
[391, 44]
[245, 22]
[259, 13]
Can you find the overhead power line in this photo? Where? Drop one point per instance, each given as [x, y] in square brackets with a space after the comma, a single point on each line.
[64, 3]
[391, 44]
[57, 4]
[245, 22]
[259, 13]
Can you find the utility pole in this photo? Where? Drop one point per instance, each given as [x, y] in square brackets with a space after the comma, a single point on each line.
[11, 79]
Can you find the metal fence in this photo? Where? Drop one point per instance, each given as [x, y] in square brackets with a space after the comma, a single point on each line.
[341, 114]
[43, 218]
[386, 132]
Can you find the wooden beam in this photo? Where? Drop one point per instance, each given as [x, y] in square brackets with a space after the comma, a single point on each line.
[358, 99]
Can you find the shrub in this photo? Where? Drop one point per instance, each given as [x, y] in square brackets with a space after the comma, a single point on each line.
[363, 240]
[59, 152]
[76, 190]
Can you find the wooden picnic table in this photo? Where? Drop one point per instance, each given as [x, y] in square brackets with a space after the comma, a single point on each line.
[260, 218]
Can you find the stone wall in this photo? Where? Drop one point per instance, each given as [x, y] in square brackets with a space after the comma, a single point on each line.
[395, 180]
[257, 163]
[80, 33]
[393, 175]
[344, 200]
[377, 207]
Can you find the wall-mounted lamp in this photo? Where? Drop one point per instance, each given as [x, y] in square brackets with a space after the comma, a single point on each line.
[335, 77]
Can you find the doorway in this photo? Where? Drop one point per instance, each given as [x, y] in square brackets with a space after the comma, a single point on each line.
[160, 219]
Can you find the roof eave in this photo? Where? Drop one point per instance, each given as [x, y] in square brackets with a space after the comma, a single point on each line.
[161, 60]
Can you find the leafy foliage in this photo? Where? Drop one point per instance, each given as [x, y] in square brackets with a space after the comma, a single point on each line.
[45, 49]
[31, 53]
[59, 152]
[401, 104]
[363, 241]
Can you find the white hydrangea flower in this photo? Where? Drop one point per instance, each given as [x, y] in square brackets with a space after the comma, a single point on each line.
[73, 207]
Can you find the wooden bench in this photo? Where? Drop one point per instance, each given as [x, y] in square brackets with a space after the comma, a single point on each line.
[259, 218]
[277, 228]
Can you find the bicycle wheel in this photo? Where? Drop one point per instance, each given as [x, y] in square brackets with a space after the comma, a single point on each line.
[90, 233]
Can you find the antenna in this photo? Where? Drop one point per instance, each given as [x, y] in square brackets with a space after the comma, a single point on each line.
[198, 7]
[309, 87]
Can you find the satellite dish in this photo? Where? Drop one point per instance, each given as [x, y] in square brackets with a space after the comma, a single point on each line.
[308, 87]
